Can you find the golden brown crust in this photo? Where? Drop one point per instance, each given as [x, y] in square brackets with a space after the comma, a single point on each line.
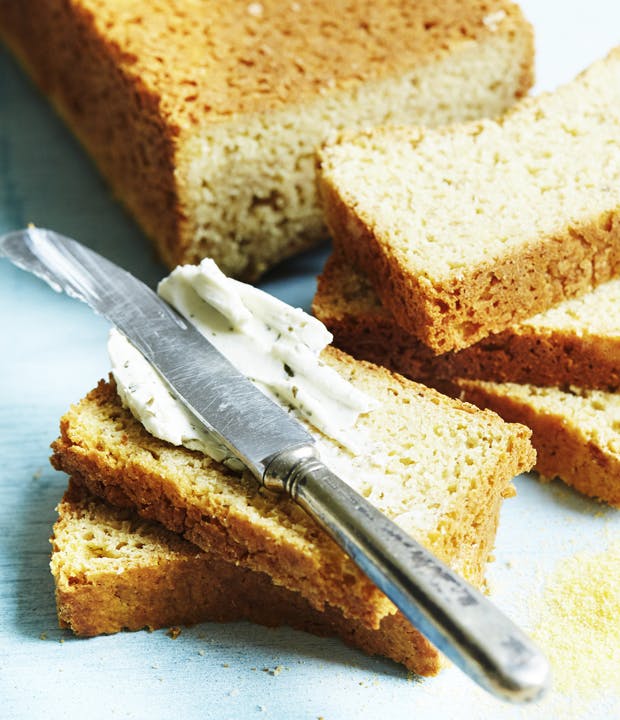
[115, 114]
[239, 58]
[483, 299]
[233, 518]
[180, 585]
[562, 448]
[349, 307]
[136, 80]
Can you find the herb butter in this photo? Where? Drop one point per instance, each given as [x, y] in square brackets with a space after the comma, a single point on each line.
[276, 346]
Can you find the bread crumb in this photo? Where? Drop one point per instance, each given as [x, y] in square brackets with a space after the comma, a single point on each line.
[43, 636]
[174, 632]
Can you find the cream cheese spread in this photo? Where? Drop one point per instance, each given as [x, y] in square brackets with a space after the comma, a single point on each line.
[276, 346]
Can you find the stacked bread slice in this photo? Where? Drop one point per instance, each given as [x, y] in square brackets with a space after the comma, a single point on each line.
[464, 230]
[439, 467]
[477, 229]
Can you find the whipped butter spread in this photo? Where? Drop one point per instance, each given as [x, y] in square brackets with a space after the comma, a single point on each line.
[276, 346]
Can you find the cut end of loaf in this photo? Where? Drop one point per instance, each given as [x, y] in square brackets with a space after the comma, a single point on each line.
[217, 162]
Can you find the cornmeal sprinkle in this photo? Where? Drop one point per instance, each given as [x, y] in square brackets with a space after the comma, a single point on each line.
[579, 625]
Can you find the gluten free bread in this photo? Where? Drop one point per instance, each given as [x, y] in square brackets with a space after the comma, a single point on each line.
[576, 432]
[558, 372]
[115, 571]
[465, 230]
[204, 117]
[445, 468]
[575, 343]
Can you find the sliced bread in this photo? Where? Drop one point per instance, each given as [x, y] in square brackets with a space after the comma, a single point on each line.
[438, 467]
[204, 117]
[576, 432]
[465, 230]
[575, 343]
[115, 571]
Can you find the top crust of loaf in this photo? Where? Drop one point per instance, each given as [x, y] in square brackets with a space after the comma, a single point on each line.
[447, 465]
[205, 116]
[466, 229]
[217, 60]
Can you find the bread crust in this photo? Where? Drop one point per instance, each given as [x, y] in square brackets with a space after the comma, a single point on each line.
[138, 81]
[235, 520]
[525, 353]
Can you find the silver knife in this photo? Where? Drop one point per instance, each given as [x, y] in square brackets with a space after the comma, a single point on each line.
[453, 615]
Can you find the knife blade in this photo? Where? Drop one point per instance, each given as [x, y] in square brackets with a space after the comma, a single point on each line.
[453, 615]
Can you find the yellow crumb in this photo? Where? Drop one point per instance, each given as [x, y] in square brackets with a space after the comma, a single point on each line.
[579, 623]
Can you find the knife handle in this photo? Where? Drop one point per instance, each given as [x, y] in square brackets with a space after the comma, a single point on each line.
[453, 615]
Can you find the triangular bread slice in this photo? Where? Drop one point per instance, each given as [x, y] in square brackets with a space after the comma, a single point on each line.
[115, 571]
[467, 229]
[442, 477]
[575, 343]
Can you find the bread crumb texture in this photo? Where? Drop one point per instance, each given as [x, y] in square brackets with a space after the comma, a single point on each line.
[578, 623]
[576, 432]
[574, 343]
[205, 116]
[466, 229]
[438, 467]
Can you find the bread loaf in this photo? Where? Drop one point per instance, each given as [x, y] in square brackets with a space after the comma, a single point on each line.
[204, 117]
[465, 230]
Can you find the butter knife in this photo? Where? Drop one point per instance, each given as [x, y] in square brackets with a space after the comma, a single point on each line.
[453, 615]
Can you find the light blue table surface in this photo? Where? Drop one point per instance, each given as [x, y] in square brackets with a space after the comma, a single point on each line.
[53, 351]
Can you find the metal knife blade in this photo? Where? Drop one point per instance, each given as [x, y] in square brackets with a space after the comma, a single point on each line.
[221, 398]
[458, 619]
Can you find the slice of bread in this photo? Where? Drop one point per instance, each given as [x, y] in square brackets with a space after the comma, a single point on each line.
[204, 117]
[115, 571]
[575, 343]
[576, 432]
[438, 467]
[465, 230]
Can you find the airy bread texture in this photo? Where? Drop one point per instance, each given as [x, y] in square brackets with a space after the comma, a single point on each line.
[444, 471]
[576, 432]
[204, 117]
[115, 571]
[575, 343]
[527, 374]
[465, 230]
